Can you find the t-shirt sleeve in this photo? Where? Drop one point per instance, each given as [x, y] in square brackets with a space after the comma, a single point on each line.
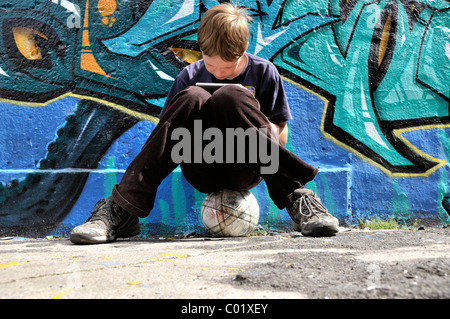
[181, 82]
[275, 101]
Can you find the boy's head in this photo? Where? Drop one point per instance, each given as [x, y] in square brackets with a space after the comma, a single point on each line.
[224, 32]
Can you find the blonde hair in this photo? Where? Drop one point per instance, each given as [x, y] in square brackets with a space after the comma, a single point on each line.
[224, 31]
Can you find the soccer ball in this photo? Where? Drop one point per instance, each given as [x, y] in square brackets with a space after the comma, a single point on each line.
[230, 213]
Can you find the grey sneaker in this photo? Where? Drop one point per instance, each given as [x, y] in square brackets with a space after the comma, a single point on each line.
[107, 222]
[309, 216]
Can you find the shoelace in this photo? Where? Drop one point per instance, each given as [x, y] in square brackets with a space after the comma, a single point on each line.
[95, 215]
[312, 204]
[110, 214]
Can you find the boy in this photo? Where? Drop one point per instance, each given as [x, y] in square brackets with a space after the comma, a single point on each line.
[258, 103]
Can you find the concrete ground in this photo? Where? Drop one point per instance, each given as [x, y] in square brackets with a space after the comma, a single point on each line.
[353, 264]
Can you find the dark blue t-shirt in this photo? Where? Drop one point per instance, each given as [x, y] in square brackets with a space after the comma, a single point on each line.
[259, 76]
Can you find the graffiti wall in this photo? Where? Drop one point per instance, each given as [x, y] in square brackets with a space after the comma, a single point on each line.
[82, 84]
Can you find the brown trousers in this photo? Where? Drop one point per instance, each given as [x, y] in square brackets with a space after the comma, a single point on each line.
[228, 107]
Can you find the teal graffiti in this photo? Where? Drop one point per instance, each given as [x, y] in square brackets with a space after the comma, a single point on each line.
[114, 63]
[179, 202]
[328, 195]
[401, 209]
[443, 188]
[52, 49]
[443, 199]
[110, 177]
[273, 214]
[165, 217]
[375, 62]
[384, 66]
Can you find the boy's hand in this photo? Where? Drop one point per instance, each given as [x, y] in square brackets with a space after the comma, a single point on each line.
[282, 130]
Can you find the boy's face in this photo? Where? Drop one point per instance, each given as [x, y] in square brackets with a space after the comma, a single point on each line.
[222, 69]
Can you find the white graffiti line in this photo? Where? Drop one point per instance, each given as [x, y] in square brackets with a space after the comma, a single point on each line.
[370, 128]
[447, 49]
[161, 74]
[186, 9]
[75, 9]
[403, 32]
[333, 56]
[2, 72]
[84, 129]
[363, 98]
[262, 42]
[373, 133]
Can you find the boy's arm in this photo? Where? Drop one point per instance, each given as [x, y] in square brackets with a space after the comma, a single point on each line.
[282, 130]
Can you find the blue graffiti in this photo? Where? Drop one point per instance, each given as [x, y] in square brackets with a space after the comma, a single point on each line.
[117, 60]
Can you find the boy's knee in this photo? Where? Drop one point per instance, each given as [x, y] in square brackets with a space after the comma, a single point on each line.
[186, 103]
[230, 97]
[229, 93]
[192, 97]
[196, 93]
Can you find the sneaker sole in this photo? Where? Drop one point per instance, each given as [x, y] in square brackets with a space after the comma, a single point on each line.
[320, 231]
[83, 240]
[77, 238]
